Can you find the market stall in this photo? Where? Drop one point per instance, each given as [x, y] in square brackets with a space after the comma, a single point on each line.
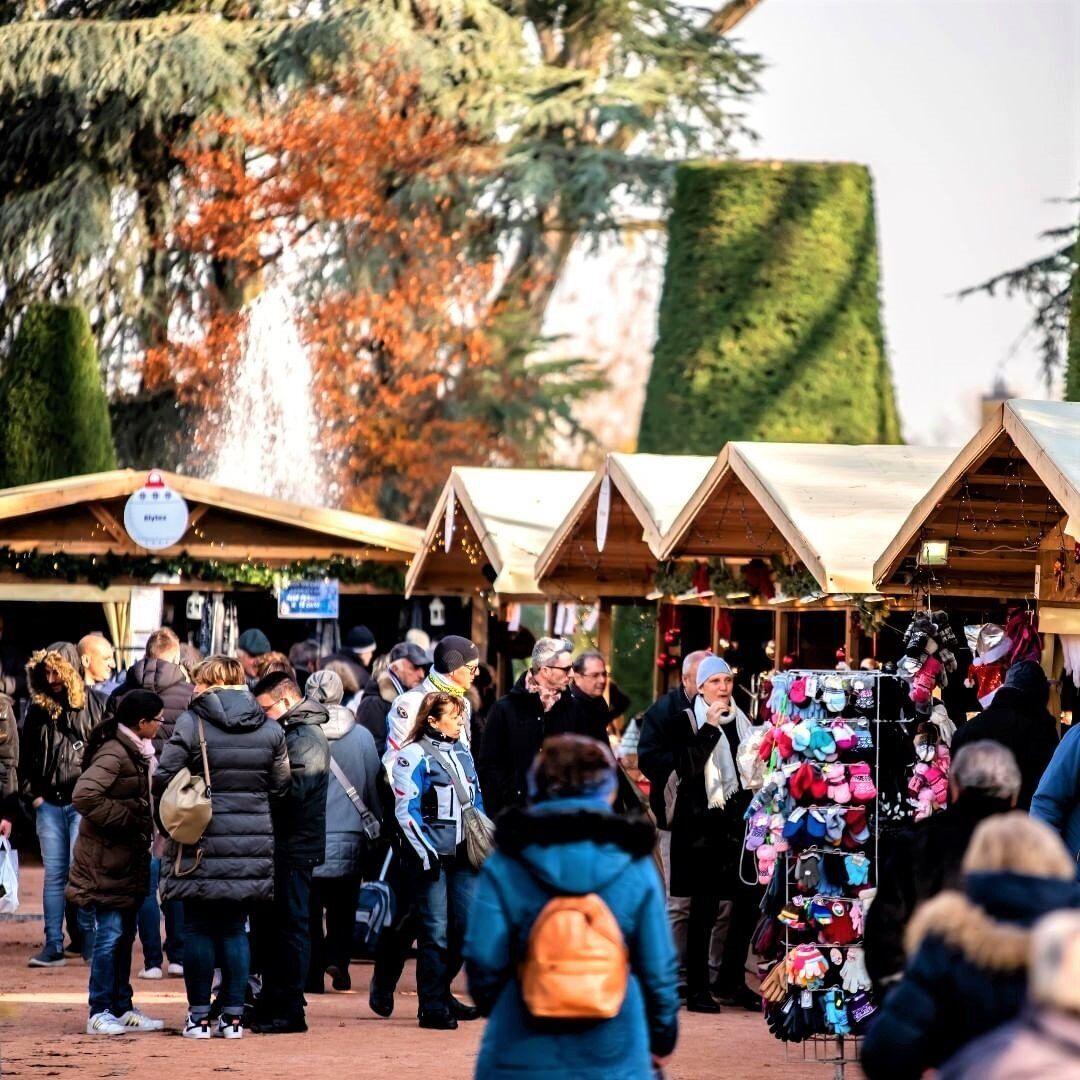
[482, 542]
[998, 532]
[778, 541]
[136, 542]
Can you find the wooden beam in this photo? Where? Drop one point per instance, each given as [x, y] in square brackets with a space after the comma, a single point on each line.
[112, 526]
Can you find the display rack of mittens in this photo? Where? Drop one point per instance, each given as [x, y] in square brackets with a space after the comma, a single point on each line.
[810, 826]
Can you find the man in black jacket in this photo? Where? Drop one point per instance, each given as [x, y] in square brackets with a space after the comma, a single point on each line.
[1018, 719]
[408, 666]
[537, 707]
[61, 715]
[589, 681]
[284, 943]
[926, 858]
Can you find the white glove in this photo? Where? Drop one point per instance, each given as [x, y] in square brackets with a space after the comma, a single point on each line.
[854, 973]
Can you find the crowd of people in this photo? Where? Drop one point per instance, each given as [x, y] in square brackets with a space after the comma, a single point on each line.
[612, 885]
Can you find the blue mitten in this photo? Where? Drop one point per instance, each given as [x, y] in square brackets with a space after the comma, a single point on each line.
[858, 869]
[836, 1012]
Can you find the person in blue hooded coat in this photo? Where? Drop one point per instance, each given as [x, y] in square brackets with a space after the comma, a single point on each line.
[568, 842]
[968, 952]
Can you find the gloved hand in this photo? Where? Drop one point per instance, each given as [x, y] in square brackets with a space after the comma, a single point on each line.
[854, 974]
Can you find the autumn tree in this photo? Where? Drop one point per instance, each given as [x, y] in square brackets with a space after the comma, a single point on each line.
[363, 199]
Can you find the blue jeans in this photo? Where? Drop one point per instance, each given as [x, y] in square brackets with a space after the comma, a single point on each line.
[110, 968]
[443, 908]
[149, 920]
[57, 828]
[214, 933]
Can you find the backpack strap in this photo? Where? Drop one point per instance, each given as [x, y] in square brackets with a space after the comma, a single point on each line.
[369, 820]
[202, 749]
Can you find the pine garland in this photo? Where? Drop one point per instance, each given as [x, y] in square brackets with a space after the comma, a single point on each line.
[102, 570]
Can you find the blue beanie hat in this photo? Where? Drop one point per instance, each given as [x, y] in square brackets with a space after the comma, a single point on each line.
[710, 666]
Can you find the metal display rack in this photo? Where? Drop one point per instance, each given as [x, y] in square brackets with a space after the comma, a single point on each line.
[833, 1049]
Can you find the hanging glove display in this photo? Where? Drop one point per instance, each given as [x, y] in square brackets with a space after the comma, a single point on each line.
[854, 974]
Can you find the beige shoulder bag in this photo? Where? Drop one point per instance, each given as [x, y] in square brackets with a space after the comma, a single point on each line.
[185, 808]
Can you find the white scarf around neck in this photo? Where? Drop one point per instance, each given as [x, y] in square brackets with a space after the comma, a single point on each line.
[721, 777]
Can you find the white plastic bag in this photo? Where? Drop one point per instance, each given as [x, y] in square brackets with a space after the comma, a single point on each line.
[9, 878]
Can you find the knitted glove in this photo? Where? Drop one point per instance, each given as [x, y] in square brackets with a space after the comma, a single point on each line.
[858, 868]
[836, 1012]
[857, 918]
[808, 965]
[774, 987]
[854, 971]
[808, 873]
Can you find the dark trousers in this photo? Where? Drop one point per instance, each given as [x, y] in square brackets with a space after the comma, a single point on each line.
[110, 964]
[284, 943]
[335, 899]
[395, 940]
[215, 934]
[442, 906]
[744, 917]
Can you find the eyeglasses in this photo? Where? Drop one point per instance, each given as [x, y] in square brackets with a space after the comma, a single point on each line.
[472, 669]
[559, 667]
[595, 675]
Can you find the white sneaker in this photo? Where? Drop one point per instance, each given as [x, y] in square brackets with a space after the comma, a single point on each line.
[104, 1023]
[176, 969]
[150, 973]
[230, 1027]
[197, 1029]
[134, 1020]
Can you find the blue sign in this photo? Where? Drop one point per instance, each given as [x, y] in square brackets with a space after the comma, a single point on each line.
[308, 600]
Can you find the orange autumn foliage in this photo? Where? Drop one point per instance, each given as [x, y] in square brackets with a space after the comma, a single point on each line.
[355, 199]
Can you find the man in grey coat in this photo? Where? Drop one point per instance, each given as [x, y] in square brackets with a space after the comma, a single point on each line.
[351, 835]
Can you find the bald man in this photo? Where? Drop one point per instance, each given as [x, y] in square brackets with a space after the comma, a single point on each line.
[97, 659]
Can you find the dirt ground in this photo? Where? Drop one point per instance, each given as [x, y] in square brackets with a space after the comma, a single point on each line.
[43, 1015]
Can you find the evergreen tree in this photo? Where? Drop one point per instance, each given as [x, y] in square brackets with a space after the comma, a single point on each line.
[56, 417]
[770, 322]
[1072, 365]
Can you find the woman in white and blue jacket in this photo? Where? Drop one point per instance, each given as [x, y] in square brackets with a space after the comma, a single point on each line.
[428, 812]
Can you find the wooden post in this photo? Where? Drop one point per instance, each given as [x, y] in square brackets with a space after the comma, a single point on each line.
[504, 669]
[604, 628]
[779, 636]
[478, 630]
[851, 638]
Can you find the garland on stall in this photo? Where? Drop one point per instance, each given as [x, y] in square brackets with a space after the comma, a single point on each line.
[674, 578]
[102, 570]
[872, 617]
[793, 580]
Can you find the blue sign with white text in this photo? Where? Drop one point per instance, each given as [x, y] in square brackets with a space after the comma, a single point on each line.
[308, 600]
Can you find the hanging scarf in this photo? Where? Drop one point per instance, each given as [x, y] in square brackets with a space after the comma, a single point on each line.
[445, 685]
[547, 697]
[721, 776]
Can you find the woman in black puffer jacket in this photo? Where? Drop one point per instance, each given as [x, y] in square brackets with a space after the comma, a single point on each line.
[968, 951]
[232, 866]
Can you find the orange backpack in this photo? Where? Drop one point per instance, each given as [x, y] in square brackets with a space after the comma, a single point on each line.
[576, 964]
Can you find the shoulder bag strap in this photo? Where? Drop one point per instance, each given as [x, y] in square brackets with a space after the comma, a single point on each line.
[440, 755]
[369, 820]
[205, 759]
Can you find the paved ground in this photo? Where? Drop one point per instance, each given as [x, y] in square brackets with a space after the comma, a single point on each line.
[43, 1013]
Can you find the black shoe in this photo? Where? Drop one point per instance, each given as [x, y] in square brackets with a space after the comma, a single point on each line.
[73, 951]
[340, 980]
[741, 997]
[460, 1011]
[438, 1021]
[701, 1002]
[380, 1002]
[280, 1025]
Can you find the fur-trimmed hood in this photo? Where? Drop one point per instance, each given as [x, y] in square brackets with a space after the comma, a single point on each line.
[63, 657]
[575, 845]
[387, 687]
[990, 924]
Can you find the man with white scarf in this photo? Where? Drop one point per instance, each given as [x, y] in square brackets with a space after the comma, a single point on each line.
[707, 830]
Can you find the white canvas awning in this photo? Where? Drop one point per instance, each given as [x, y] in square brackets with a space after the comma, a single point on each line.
[502, 520]
[647, 492]
[995, 503]
[832, 506]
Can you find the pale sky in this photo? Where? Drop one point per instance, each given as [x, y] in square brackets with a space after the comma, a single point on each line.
[966, 112]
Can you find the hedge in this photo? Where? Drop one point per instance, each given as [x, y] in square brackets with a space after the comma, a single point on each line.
[56, 417]
[770, 322]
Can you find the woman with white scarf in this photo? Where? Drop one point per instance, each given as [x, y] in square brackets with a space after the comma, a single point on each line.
[707, 831]
[110, 869]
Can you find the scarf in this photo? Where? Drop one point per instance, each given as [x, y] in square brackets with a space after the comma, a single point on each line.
[144, 746]
[547, 697]
[721, 777]
[445, 685]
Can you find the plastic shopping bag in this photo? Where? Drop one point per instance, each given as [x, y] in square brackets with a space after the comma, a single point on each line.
[9, 878]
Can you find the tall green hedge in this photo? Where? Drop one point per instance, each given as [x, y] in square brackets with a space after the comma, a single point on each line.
[55, 417]
[770, 322]
[1072, 360]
